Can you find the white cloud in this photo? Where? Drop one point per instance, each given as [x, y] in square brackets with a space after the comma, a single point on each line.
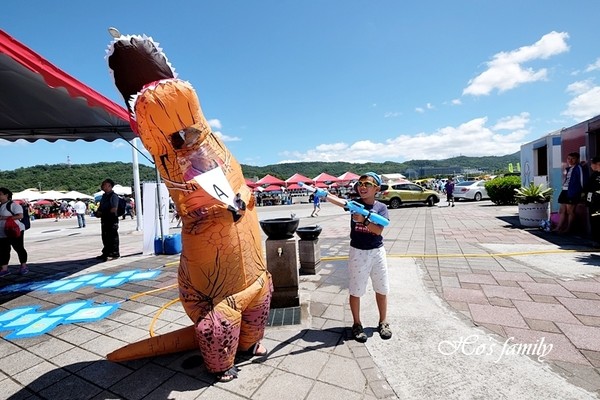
[227, 138]
[505, 70]
[428, 106]
[216, 127]
[593, 67]
[472, 138]
[512, 122]
[391, 114]
[456, 102]
[580, 87]
[586, 101]
[118, 144]
[215, 123]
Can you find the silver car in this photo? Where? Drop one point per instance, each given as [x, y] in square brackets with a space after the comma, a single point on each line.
[470, 190]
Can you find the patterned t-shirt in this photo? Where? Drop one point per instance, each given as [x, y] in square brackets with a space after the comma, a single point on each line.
[360, 236]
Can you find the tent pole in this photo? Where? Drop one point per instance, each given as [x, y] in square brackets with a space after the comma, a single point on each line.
[136, 184]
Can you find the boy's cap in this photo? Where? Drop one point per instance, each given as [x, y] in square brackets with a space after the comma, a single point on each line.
[374, 176]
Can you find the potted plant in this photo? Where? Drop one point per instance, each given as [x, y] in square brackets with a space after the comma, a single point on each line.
[534, 204]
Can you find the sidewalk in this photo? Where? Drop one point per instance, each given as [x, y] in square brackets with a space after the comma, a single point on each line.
[464, 281]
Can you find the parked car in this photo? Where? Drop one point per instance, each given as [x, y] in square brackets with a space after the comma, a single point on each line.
[470, 190]
[406, 193]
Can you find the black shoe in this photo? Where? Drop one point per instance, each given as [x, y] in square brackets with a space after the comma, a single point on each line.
[384, 330]
[358, 333]
[102, 258]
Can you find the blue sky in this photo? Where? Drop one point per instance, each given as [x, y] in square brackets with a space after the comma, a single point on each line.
[357, 81]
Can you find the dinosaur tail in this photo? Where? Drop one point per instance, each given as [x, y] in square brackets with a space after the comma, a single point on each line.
[173, 342]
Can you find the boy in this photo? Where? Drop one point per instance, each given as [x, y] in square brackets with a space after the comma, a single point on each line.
[450, 191]
[367, 258]
[316, 206]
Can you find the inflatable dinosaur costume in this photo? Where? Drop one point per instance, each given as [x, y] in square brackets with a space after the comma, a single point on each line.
[224, 284]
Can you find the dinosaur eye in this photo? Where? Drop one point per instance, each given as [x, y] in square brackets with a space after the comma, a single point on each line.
[178, 139]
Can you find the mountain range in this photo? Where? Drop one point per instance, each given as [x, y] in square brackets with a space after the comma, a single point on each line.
[86, 178]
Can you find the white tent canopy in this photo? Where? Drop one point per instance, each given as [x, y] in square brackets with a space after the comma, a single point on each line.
[49, 195]
[27, 194]
[73, 195]
[118, 189]
[392, 177]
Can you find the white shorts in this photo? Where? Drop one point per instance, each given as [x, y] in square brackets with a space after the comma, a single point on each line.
[363, 264]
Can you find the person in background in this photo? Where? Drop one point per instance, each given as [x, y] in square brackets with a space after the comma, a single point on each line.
[316, 206]
[367, 258]
[592, 190]
[109, 221]
[449, 188]
[15, 212]
[129, 208]
[80, 209]
[93, 206]
[574, 181]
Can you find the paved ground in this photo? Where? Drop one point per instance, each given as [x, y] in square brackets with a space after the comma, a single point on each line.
[480, 308]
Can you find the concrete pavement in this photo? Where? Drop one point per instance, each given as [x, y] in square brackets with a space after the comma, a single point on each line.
[468, 286]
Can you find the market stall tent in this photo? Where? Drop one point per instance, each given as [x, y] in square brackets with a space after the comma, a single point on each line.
[40, 101]
[270, 180]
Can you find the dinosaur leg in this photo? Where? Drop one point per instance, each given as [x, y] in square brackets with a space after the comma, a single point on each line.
[255, 316]
[218, 335]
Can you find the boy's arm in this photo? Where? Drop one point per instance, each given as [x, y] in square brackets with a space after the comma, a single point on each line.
[371, 226]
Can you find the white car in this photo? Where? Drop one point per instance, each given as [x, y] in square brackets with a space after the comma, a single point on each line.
[470, 190]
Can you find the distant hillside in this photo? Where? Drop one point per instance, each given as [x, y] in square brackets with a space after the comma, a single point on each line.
[86, 178]
[414, 168]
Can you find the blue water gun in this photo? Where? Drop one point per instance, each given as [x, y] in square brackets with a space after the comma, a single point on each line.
[349, 205]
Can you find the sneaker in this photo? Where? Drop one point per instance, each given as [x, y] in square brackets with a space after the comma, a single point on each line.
[23, 270]
[384, 330]
[358, 333]
[4, 273]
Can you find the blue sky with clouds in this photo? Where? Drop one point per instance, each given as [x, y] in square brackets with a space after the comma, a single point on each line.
[286, 81]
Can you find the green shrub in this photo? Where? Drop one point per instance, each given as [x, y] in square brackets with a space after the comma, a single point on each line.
[502, 190]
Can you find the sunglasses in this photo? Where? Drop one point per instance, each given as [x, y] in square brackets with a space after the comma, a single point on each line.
[366, 184]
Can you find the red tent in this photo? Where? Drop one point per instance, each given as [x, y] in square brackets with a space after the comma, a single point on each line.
[346, 179]
[296, 178]
[273, 188]
[294, 186]
[250, 183]
[270, 180]
[348, 176]
[40, 101]
[325, 178]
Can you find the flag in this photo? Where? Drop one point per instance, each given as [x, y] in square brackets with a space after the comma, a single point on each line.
[518, 167]
[510, 167]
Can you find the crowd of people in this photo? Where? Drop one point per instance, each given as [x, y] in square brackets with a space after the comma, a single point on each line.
[63, 209]
[19, 210]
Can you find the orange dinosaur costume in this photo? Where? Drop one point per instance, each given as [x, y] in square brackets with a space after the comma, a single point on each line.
[224, 284]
